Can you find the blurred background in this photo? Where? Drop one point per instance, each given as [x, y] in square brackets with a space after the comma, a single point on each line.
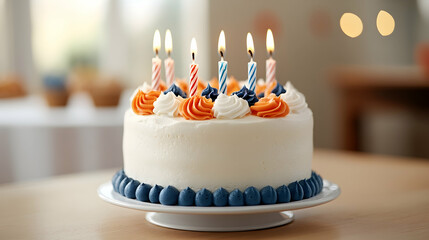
[67, 69]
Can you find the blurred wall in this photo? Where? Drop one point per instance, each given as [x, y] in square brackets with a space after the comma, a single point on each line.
[185, 19]
[308, 42]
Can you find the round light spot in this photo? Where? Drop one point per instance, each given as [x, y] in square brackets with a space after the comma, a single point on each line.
[351, 25]
[385, 23]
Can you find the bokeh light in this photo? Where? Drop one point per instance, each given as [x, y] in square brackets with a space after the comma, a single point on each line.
[351, 25]
[385, 23]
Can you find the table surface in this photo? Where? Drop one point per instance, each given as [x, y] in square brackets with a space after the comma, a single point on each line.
[382, 198]
[32, 111]
[391, 77]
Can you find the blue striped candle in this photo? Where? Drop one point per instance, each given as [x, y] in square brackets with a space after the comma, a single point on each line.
[223, 72]
[251, 75]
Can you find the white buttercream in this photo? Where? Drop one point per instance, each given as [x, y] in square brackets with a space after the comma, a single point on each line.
[238, 153]
[294, 100]
[289, 85]
[167, 104]
[230, 107]
[145, 87]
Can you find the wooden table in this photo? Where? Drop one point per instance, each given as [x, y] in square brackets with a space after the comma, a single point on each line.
[368, 88]
[382, 198]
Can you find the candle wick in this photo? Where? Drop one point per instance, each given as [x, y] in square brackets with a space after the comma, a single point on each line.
[193, 56]
[251, 54]
[221, 54]
[156, 52]
[169, 53]
[271, 53]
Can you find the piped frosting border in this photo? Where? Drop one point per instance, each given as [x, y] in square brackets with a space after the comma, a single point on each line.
[295, 191]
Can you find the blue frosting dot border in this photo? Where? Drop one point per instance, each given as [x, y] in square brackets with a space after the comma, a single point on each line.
[169, 195]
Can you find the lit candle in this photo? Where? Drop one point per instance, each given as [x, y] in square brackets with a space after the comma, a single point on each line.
[251, 66]
[169, 63]
[194, 69]
[222, 65]
[156, 62]
[271, 63]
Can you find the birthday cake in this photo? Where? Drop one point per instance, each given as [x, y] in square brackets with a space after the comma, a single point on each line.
[222, 143]
[212, 149]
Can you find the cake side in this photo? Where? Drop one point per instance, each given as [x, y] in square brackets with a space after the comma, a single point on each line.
[239, 153]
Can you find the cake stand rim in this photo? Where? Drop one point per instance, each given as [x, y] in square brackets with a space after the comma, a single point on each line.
[330, 192]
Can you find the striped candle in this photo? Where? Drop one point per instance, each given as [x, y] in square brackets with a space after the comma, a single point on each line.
[223, 72]
[156, 73]
[156, 62]
[169, 70]
[251, 75]
[251, 66]
[193, 83]
[169, 63]
[222, 64]
[270, 74]
[270, 71]
[193, 79]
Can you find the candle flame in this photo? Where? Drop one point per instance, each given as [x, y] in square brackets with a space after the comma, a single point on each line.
[221, 43]
[168, 42]
[250, 47]
[193, 46]
[156, 41]
[270, 41]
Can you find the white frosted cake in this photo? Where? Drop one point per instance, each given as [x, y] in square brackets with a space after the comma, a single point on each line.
[217, 149]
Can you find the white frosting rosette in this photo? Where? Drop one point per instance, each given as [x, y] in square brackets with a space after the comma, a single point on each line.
[230, 107]
[288, 86]
[167, 104]
[295, 100]
[145, 87]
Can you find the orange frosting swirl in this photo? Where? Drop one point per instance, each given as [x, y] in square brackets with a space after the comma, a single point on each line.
[143, 102]
[182, 84]
[201, 86]
[214, 83]
[196, 108]
[270, 107]
[260, 88]
[233, 86]
[162, 86]
[270, 88]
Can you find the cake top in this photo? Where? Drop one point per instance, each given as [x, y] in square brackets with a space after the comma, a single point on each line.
[273, 101]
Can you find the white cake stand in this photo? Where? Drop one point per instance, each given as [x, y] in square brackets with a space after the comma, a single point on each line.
[219, 219]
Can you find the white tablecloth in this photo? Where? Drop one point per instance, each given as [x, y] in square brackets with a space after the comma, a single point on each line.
[37, 141]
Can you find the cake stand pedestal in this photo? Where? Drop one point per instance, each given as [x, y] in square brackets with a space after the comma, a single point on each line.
[219, 219]
[216, 223]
